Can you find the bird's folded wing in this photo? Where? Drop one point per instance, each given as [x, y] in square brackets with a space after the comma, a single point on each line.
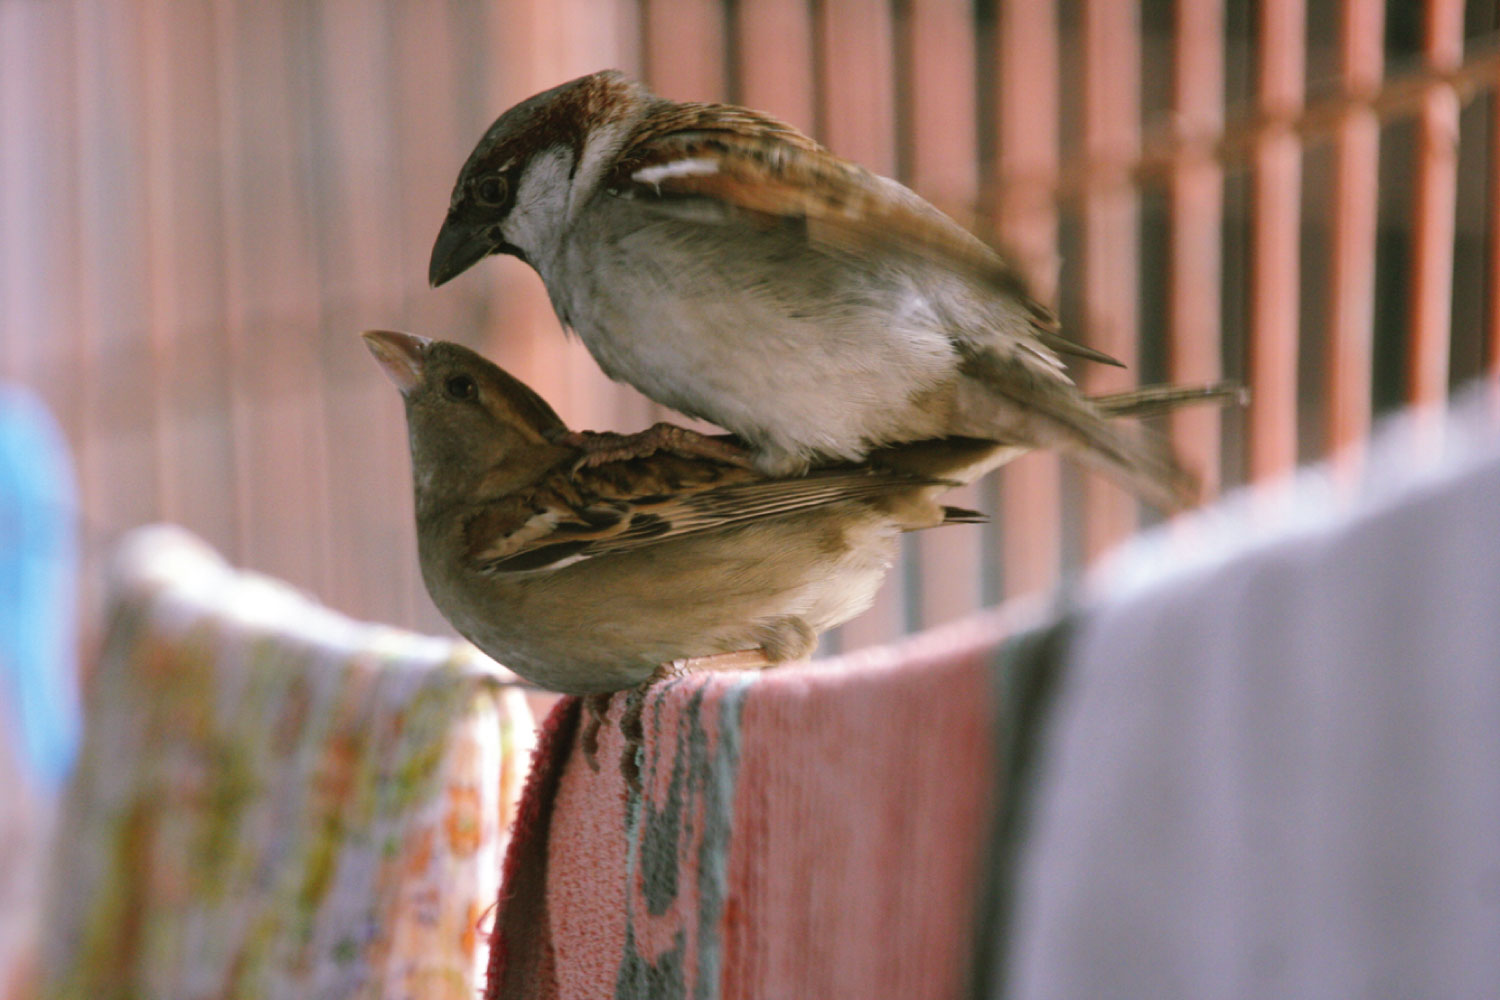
[708, 162]
[549, 529]
[756, 166]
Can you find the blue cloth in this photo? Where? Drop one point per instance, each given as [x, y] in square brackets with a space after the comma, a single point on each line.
[39, 712]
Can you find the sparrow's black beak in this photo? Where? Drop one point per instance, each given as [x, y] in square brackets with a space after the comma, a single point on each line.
[400, 354]
[460, 245]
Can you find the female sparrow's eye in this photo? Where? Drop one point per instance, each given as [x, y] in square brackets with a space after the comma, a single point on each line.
[492, 191]
[460, 387]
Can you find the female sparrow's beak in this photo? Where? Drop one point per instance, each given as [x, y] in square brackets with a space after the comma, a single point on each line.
[400, 354]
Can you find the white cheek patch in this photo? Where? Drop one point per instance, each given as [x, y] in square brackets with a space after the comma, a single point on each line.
[696, 167]
[541, 201]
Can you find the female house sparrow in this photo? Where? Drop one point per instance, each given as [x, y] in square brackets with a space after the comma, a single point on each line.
[728, 266]
[588, 579]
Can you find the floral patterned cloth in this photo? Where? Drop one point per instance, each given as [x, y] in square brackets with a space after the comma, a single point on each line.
[275, 801]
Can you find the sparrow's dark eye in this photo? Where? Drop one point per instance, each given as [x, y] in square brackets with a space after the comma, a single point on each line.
[460, 387]
[492, 191]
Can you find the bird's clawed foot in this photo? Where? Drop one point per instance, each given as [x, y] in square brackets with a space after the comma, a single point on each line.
[633, 729]
[595, 706]
[600, 447]
[740, 659]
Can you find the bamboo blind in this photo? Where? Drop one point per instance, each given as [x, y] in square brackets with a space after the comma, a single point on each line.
[203, 201]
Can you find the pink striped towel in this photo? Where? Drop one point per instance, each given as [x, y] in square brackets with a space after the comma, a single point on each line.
[812, 831]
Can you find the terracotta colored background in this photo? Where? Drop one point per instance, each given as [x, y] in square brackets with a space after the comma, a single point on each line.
[202, 203]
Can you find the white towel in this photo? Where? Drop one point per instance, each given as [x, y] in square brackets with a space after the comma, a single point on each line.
[1274, 769]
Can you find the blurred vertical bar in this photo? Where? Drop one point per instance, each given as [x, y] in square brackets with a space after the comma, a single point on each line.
[37, 192]
[163, 312]
[859, 112]
[1111, 220]
[430, 145]
[119, 472]
[1436, 196]
[1275, 249]
[185, 278]
[39, 90]
[13, 37]
[685, 49]
[364, 271]
[272, 281]
[45, 341]
[1492, 334]
[69, 398]
[36, 188]
[1026, 163]
[775, 59]
[65, 375]
[858, 84]
[21, 175]
[431, 138]
[356, 118]
[1197, 207]
[1351, 321]
[942, 158]
[236, 333]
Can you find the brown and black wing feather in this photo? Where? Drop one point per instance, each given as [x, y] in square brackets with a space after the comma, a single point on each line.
[566, 519]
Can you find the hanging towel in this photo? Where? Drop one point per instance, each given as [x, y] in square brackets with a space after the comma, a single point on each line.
[810, 831]
[38, 584]
[1274, 768]
[275, 801]
[25, 818]
[38, 700]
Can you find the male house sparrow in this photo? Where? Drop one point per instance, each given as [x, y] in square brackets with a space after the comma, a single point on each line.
[728, 266]
[588, 579]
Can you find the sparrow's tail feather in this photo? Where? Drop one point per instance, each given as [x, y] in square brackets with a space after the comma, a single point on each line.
[1145, 458]
[1139, 458]
[1141, 461]
[958, 460]
[1017, 402]
[1062, 345]
[1152, 400]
